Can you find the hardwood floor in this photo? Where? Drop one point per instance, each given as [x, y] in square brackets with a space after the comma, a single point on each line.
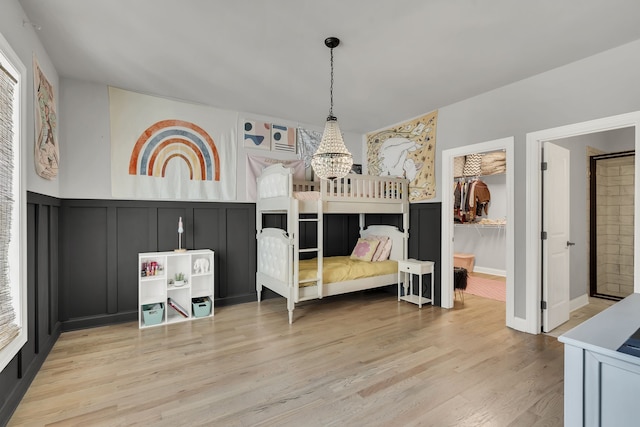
[357, 359]
[595, 306]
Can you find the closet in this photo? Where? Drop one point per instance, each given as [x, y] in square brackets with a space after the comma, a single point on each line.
[480, 211]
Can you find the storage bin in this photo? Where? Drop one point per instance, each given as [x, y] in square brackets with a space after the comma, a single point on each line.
[201, 306]
[464, 261]
[152, 314]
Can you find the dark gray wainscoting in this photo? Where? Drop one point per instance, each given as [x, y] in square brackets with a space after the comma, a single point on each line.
[425, 237]
[101, 239]
[42, 302]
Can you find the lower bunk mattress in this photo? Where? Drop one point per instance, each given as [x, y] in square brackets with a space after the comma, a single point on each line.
[343, 268]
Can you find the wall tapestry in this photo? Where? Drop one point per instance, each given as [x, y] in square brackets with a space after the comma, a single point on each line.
[257, 134]
[308, 143]
[47, 155]
[255, 165]
[407, 150]
[165, 149]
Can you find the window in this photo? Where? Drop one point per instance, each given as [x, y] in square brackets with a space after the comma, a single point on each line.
[13, 278]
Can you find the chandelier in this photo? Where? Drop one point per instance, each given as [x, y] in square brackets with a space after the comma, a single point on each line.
[332, 159]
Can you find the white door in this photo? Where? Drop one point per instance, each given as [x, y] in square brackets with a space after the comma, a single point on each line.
[556, 247]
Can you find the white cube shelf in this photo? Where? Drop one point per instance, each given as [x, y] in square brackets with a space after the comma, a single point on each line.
[157, 284]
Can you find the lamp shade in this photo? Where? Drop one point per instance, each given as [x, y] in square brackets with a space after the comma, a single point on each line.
[332, 159]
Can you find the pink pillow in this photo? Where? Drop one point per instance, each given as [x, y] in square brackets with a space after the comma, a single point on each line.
[364, 249]
[384, 252]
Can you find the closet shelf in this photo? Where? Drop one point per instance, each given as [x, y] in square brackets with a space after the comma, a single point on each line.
[472, 177]
[480, 225]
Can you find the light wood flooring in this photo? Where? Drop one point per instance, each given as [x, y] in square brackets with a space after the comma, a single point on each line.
[362, 359]
[595, 306]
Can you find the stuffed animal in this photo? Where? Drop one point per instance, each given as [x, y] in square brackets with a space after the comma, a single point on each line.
[201, 266]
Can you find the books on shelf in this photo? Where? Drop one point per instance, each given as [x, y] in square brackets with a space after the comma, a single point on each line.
[177, 307]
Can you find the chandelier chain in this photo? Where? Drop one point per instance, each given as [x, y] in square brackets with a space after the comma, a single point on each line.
[331, 87]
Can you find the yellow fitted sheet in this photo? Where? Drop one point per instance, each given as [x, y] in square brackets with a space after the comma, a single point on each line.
[343, 268]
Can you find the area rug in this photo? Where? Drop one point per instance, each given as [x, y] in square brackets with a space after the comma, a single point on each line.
[487, 288]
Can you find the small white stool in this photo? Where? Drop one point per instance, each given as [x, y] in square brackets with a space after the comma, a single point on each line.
[419, 268]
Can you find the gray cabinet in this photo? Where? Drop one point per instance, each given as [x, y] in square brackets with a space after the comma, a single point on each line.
[602, 385]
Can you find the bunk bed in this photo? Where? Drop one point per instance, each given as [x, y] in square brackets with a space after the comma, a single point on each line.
[280, 267]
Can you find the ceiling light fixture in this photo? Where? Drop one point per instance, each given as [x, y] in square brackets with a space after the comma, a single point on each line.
[332, 159]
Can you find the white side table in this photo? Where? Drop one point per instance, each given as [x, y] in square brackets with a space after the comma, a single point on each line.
[410, 267]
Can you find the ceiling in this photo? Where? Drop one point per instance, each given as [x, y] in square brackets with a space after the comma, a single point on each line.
[397, 59]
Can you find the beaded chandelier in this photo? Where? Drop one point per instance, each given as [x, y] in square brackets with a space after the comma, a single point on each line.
[332, 159]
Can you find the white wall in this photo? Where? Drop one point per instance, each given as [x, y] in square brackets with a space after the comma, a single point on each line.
[87, 148]
[23, 39]
[599, 86]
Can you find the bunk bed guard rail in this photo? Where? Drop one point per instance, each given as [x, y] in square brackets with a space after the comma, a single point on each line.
[365, 187]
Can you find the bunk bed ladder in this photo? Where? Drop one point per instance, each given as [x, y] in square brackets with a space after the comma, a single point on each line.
[317, 250]
[310, 217]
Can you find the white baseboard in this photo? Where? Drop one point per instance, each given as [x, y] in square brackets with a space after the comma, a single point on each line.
[487, 270]
[579, 302]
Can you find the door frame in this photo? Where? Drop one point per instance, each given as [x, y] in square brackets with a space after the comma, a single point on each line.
[533, 206]
[447, 227]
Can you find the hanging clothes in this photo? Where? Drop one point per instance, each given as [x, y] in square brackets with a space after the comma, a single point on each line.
[470, 199]
[482, 197]
[457, 200]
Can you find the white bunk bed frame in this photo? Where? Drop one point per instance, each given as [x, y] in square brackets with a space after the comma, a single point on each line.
[279, 250]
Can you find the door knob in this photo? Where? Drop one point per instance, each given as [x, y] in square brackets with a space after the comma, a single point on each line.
[570, 243]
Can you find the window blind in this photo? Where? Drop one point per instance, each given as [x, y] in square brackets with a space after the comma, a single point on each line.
[8, 327]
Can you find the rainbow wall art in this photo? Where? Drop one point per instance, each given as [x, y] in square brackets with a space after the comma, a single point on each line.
[175, 141]
[171, 150]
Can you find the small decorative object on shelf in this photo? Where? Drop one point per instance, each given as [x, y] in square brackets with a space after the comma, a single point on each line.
[201, 266]
[150, 268]
[180, 231]
[179, 280]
